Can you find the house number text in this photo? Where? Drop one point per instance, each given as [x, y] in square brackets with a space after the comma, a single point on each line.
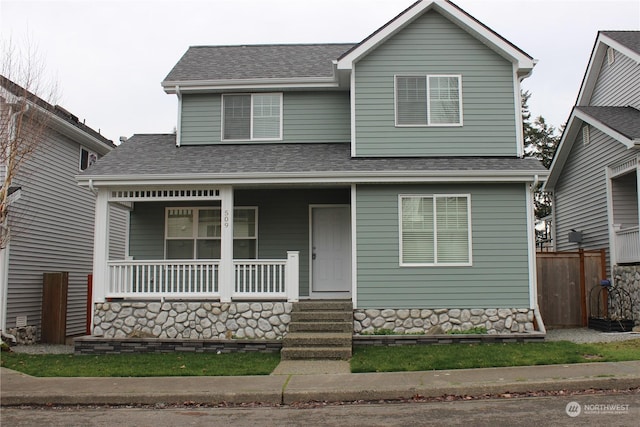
[226, 219]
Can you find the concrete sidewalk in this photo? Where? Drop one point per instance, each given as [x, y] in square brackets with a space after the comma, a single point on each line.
[17, 388]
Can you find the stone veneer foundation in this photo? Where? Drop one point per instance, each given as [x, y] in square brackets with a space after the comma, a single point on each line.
[192, 320]
[24, 335]
[627, 277]
[438, 321]
[270, 320]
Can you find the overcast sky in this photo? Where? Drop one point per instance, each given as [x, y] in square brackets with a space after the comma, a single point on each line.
[109, 57]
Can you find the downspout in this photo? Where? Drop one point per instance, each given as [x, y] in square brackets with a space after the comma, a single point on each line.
[533, 276]
[179, 125]
[93, 190]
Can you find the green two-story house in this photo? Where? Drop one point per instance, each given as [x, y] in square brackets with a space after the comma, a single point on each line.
[388, 173]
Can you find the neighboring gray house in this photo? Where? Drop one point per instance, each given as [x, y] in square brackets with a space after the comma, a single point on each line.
[387, 173]
[51, 223]
[594, 175]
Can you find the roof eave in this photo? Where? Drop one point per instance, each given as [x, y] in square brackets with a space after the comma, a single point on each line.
[313, 177]
[186, 86]
[574, 123]
[604, 128]
[100, 145]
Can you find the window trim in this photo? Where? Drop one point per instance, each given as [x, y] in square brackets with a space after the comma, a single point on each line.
[251, 120]
[89, 155]
[194, 236]
[435, 196]
[428, 100]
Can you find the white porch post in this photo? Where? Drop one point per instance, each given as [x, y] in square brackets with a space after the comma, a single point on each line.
[101, 246]
[292, 276]
[226, 272]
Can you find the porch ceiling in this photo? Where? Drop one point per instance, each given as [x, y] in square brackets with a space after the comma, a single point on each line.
[155, 157]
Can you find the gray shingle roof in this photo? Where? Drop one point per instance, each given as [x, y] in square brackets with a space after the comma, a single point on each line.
[60, 112]
[625, 120]
[156, 154]
[257, 62]
[630, 39]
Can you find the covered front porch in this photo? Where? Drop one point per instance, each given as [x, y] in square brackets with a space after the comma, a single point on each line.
[623, 212]
[222, 244]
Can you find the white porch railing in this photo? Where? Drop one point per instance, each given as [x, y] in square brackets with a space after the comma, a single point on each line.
[628, 245]
[259, 278]
[253, 279]
[172, 278]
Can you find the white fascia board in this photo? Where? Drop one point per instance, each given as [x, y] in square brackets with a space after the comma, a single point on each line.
[314, 178]
[576, 119]
[591, 74]
[524, 63]
[635, 56]
[595, 62]
[189, 86]
[57, 123]
[89, 141]
[629, 143]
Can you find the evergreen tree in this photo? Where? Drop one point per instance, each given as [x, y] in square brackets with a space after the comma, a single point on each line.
[540, 141]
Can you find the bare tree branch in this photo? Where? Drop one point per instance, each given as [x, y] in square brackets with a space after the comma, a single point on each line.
[25, 97]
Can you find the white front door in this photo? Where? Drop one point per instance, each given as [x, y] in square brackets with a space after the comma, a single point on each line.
[330, 251]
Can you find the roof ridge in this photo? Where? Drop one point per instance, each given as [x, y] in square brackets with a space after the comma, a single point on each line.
[272, 44]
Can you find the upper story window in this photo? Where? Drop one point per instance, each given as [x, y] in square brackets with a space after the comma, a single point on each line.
[87, 158]
[428, 100]
[435, 230]
[249, 117]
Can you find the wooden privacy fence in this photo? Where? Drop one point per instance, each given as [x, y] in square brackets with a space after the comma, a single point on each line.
[564, 282]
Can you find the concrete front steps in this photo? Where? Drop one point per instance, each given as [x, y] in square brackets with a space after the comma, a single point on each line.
[320, 329]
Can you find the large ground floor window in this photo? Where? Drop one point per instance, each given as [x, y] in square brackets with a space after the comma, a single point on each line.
[195, 232]
[435, 230]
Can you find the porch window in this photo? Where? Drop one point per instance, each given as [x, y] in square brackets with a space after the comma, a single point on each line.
[428, 100]
[195, 233]
[252, 116]
[435, 230]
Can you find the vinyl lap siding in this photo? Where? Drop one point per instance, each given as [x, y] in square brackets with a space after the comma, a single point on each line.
[146, 229]
[118, 228]
[498, 277]
[434, 45]
[580, 197]
[52, 227]
[307, 117]
[200, 119]
[317, 117]
[618, 83]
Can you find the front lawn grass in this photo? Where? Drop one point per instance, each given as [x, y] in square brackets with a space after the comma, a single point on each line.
[141, 365]
[365, 359]
[466, 356]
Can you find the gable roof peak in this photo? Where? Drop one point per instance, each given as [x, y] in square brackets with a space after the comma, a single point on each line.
[455, 14]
